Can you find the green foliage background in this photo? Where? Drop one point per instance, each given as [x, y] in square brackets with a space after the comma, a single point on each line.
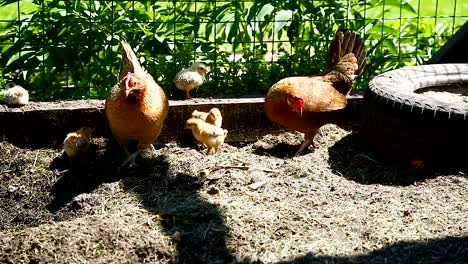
[70, 49]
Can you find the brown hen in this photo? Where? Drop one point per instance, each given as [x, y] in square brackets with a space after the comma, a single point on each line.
[136, 106]
[306, 103]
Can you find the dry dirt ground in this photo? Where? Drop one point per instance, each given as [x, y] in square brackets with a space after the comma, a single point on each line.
[255, 203]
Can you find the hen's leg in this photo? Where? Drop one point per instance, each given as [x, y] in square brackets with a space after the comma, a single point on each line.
[130, 159]
[132, 156]
[309, 140]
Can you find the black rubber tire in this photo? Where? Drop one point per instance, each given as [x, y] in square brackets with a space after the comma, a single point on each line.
[404, 125]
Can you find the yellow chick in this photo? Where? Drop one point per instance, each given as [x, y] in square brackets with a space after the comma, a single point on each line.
[77, 143]
[190, 78]
[208, 134]
[213, 117]
[15, 95]
[200, 115]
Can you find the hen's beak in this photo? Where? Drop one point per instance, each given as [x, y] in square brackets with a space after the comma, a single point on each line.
[126, 80]
[127, 92]
[128, 88]
[295, 108]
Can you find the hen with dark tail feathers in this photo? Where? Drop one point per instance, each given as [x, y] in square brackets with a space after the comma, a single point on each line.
[306, 103]
[136, 106]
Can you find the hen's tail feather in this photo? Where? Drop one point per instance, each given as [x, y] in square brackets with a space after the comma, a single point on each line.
[129, 61]
[344, 43]
[361, 57]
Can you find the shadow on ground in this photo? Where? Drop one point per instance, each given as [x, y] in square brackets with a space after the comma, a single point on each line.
[445, 250]
[357, 161]
[281, 150]
[85, 175]
[195, 225]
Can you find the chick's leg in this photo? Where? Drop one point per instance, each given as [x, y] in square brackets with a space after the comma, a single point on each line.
[187, 94]
[208, 151]
[309, 140]
[203, 145]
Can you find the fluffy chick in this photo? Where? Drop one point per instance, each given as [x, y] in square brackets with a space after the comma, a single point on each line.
[15, 95]
[208, 134]
[190, 78]
[200, 115]
[76, 144]
[213, 117]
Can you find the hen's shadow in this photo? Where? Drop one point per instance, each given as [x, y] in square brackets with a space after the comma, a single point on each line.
[353, 158]
[84, 176]
[281, 150]
[443, 250]
[195, 225]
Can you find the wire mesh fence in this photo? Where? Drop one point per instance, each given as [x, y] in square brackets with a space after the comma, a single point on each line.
[70, 49]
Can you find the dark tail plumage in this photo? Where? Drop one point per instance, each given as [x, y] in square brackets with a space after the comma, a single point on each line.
[129, 61]
[346, 59]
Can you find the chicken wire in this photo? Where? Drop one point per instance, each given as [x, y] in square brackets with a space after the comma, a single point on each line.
[70, 49]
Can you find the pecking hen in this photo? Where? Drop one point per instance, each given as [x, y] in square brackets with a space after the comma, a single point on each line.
[306, 103]
[136, 106]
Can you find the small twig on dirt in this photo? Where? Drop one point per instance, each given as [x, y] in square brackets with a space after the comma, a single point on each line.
[230, 167]
[243, 168]
[367, 157]
[63, 171]
[256, 185]
[241, 161]
[266, 170]
[254, 167]
[208, 229]
[35, 160]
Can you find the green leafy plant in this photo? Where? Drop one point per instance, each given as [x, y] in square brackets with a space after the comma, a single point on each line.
[70, 49]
